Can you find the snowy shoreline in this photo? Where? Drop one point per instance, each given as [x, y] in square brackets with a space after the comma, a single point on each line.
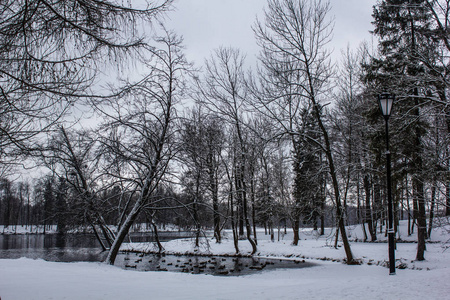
[317, 248]
[330, 278]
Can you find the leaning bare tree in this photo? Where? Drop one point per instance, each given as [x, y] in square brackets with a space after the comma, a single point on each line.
[293, 40]
[71, 156]
[142, 120]
[51, 55]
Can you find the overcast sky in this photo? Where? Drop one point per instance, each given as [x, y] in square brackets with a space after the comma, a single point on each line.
[209, 24]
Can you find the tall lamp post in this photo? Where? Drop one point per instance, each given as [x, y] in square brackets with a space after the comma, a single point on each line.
[386, 100]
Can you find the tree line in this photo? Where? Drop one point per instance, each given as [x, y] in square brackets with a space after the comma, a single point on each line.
[298, 140]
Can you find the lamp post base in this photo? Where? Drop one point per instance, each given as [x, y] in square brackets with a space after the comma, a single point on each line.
[391, 251]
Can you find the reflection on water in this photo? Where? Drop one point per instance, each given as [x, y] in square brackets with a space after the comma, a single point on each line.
[67, 247]
[52, 247]
[48, 241]
[58, 255]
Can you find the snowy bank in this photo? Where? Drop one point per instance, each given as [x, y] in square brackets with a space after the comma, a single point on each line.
[37, 279]
[330, 279]
[315, 247]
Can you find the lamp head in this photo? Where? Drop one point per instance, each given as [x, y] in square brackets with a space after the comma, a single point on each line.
[386, 100]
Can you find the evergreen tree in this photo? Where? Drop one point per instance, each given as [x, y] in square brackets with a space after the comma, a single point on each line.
[61, 214]
[405, 38]
[49, 202]
[308, 174]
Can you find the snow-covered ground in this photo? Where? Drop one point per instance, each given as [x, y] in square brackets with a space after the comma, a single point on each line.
[430, 279]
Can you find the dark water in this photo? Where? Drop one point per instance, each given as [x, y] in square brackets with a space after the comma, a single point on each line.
[67, 247]
[214, 265]
[85, 247]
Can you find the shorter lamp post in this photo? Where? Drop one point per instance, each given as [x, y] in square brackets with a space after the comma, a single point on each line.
[386, 100]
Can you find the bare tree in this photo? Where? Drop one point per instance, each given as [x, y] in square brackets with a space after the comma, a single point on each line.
[293, 38]
[52, 54]
[142, 119]
[71, 156]
[193, 156]
[354, 137]
[223, 91]
[201, 147]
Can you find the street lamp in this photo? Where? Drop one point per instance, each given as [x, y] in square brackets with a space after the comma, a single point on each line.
[386, 100]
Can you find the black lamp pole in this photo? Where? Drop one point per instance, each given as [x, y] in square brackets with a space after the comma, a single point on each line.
[386, 100]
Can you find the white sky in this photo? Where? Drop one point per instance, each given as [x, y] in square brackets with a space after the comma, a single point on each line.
[208, 24]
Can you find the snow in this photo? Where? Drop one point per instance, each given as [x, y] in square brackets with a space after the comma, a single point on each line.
[37, 279]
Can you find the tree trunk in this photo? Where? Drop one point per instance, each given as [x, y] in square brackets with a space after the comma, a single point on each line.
[213, 186]
[233, 220]
[369, 220]
[216, 215]
[145, 193]
[123, 231]
[247, 222]
[433, 203]
[447, 195]
[335, 182]
[295, 228]
[447, 179]
[196, 222]
[107, 234]
[336, 236]
[155, 230]
[252, 188]
[322, 207]
[98, 237]
[361, 219]
[322, 222]
[240, 208]
[408, 206]
[421, 219]
[418, 188]
[195, 212]
[272, 234]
